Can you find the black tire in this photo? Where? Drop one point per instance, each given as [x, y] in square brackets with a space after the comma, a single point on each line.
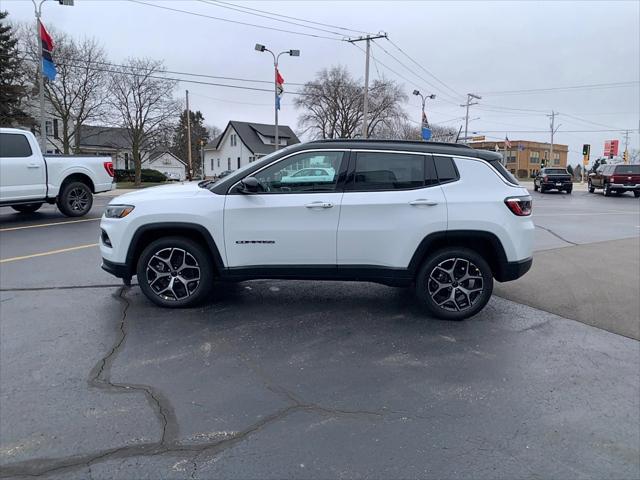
[636, 193]
[27, 207]
[75, 200]
[569, 190]
[606, 190]
[188, 291]
[591, 188]
[542, 189]
[535, 187]
[433, 275]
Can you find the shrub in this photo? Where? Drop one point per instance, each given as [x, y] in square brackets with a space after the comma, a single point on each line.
[146, 175]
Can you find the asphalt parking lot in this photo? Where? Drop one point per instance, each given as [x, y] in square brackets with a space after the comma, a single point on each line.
[275, 379]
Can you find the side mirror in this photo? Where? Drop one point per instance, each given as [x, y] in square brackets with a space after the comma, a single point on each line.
[249, 185]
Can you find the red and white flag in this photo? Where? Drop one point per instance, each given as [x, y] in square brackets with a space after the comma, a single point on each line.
[280, 88]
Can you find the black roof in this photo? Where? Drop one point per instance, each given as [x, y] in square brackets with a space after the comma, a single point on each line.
[360, 144]
[248, 133]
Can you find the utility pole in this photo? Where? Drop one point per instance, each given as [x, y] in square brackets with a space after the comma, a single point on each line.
[202, 157]
[554, 129]
[189, 138]
[466, 117]
[626, 146]
[365, 103]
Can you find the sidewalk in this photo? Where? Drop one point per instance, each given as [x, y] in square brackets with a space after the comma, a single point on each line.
[596, 284]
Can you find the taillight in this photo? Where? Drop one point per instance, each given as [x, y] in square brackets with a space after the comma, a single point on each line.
[545, 178]
[108, 166]
[520, 206]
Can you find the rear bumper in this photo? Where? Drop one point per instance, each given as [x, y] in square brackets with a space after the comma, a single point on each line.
[120, 270]
[622, 186]
[513, 270]
[558, 185]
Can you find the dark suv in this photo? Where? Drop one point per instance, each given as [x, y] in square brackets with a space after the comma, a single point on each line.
[616, 179]
[553, 179]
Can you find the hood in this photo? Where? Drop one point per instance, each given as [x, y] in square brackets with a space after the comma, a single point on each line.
[180, 190]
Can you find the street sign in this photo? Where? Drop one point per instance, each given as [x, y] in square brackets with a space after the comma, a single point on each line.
[478, 139]
[611, 148]
[426, 133]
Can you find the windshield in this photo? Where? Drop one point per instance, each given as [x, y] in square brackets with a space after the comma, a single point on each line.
[628, 170]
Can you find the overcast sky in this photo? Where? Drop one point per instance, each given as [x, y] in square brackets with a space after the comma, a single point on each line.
[478, 47]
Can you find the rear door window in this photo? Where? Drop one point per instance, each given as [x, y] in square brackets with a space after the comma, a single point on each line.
[388, 171]
[14, 146]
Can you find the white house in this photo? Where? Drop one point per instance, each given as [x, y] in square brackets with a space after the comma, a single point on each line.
[242, 143]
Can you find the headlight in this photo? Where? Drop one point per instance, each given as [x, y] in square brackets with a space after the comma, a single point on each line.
[118, 211]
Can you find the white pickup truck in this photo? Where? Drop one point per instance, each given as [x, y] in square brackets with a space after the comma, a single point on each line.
[28, 179]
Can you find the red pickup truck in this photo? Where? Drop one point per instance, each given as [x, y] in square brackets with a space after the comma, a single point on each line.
[616, 179]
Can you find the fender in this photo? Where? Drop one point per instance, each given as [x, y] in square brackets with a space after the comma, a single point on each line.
[53, 188]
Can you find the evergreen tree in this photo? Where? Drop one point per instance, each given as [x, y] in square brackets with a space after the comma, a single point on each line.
[12, 88]
[199, 133]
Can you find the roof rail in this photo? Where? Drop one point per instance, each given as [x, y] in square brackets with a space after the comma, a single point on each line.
[381, 140]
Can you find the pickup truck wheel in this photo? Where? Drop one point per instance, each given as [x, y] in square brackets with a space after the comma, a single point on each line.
[606, 190]
[75, 200]
[27, 207]
[636, 194]
[454, 283]
[175, 272]
[591, 187]
[535, 187]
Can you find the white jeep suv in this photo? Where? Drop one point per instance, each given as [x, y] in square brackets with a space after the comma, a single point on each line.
[444, 218]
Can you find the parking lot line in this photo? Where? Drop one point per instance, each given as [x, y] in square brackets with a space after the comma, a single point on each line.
[48, 224]
[51, 252]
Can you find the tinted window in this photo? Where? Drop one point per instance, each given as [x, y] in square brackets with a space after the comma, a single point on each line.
[296, 173]
[14, 145]
[446, 169]
[628, 170]
[388, 171]
[556, 171]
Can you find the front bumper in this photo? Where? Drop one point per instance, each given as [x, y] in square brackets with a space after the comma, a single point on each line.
[624, 186]
[120, 270]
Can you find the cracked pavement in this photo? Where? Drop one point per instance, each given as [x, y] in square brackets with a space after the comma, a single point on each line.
[276, 379]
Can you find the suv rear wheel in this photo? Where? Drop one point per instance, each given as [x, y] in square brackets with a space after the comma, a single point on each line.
[454, 283]
[175, 272]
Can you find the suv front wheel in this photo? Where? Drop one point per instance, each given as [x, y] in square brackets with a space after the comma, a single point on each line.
[175, 272]
[454, 283]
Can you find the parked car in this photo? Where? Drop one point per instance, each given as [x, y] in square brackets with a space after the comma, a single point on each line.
[28, 179]
[445, 218]
[615, 179]
[553, 179]
[310, 175]
[172, 176]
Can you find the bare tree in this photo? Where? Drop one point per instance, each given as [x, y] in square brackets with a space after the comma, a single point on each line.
[402, 129]
[144, 105]
[332, 104]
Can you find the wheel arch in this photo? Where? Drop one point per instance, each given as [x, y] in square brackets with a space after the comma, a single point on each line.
[146, 234]
[485, 243]
[77, 177]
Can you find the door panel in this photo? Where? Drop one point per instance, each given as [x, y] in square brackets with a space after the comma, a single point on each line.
[22, 169]
[384, 225]
[292, 220]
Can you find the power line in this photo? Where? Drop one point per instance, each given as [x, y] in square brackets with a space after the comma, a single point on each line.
[547, 131]
[237, 8]
[571, 87]
[293, 18]
[586, 121]
[235, 21]
[425, 69]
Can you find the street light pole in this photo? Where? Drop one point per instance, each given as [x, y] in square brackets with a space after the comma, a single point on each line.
[276, 58]
[43, 123]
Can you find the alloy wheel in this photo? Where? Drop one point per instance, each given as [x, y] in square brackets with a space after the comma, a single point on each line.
[173, 274]
[78, 199]
[455, 284]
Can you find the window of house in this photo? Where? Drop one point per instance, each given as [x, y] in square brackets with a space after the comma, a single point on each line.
[252, 159]
[238, 162]
[535, 157]
[48, 127]
[281, 177]
[387, 171]
[234, 140]
[14, 146]
[218, 163]
[212, 163]
[556, 158]
[229, 163]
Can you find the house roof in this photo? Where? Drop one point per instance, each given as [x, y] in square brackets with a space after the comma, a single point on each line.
[111, 137]
[248, 133]
[158, 153]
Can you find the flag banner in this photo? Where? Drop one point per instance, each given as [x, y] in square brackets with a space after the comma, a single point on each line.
[48, 66]
[279, 88]
[425, 123]
[507, 143]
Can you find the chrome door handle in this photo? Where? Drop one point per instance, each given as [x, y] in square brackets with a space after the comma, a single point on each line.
[423, 201]
[33, 165]
[319, 205]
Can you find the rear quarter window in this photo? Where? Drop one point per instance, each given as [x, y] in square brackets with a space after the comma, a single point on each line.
[446, 169]
[14, 145]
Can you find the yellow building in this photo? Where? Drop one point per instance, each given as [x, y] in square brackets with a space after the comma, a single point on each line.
[524, 158]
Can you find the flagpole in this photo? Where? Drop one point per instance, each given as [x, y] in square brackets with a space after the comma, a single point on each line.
[43, 121]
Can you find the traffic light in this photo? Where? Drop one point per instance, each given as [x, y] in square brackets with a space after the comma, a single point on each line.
[625, 156]
[585, 149]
